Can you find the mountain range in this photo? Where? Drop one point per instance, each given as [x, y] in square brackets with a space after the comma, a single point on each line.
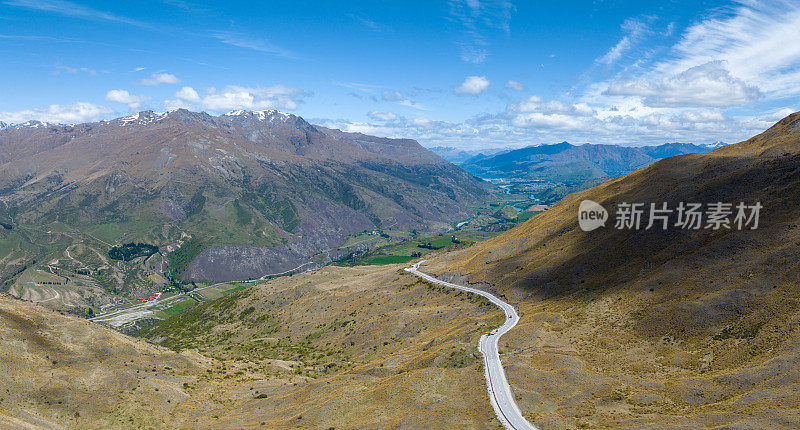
[564, 162]
[226, 197]
[459, 156]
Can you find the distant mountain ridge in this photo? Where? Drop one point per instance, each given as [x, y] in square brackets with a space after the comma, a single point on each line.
[564, 162]
[460, 156]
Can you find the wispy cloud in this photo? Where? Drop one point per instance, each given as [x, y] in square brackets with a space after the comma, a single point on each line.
[368, 23]
[358, 86]
[514, 85]
[412, 104]
[35, 38]
[67, 8]
[59, 68]
[398, 97]
[477, 18]
[635, 31]
[247, 42]
[733, 57]
[757, 40]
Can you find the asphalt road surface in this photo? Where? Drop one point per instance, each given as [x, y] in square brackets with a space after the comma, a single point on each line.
[499, 391]
[107, 316]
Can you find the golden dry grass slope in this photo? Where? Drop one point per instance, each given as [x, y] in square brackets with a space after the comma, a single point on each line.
[652, 328]
[363, 347]
[58, 370]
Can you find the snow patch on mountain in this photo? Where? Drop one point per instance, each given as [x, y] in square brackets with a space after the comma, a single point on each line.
[261, 115]
[142, 118]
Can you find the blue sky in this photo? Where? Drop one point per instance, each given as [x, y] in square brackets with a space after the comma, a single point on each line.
[464, 73]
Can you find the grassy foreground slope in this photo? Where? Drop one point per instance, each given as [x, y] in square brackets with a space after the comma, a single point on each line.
[632, 328]
[59, 370]
[362, 347]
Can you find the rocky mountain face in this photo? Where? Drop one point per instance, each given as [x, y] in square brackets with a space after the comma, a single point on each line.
[233, 196]
[564, 162]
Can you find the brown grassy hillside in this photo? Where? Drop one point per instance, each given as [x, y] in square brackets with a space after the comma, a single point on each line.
[60, 371]
[676, 327]
[364, 347]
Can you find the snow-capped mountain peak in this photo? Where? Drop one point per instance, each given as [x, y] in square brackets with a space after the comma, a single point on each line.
[31, 124]
[261, 115]
[714, 145]
[142, 118]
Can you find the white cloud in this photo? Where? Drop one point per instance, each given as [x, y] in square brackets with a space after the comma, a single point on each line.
[63, 114]
[122, 96]
[535, 104]
[188, 94]
[552, 120]
[235, 97]
[365, 128]
[514, 85]
[473, 85]
[710, 84]
[160, 78]
[382, 116]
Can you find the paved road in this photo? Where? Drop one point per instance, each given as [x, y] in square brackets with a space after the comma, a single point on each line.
[499, 391]
[147, 305]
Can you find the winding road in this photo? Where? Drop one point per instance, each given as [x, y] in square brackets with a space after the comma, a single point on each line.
[110, 315]
[499, 391]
